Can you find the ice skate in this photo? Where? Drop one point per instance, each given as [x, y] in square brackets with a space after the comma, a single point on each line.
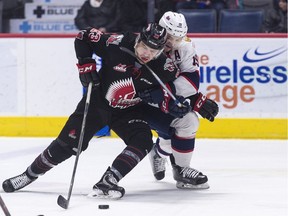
[189, 178]
[157, 164]
[107, 187]
[17, 182]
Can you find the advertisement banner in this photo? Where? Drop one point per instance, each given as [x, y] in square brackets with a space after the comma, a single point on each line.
[50, 12]
[42, 26]
[247, 77]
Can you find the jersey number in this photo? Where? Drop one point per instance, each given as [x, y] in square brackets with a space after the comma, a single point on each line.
[195, 61]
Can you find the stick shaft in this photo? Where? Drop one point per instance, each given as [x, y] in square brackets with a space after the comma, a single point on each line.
[79, 145]
[4, 207]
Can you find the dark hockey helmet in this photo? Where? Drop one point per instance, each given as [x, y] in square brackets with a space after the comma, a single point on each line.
[154, 36]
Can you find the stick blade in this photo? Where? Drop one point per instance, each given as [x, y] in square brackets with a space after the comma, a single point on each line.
[62, 202]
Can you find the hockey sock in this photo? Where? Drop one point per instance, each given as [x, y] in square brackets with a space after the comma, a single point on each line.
[54, 154]
[126, 161]
[163, 147]
[182, 150]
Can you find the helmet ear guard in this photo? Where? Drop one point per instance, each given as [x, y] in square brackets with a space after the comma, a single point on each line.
[174, 23]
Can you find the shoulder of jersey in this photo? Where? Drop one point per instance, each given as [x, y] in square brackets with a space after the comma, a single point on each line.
[187, 45]
[188, 42]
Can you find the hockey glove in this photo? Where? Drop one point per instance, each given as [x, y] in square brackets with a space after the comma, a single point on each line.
[178, 111]
[87, 72]
[154, 95]
[207, 108]
[168, 105]
[157, 94]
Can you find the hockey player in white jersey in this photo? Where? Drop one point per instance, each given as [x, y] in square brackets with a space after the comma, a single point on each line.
[177, 135]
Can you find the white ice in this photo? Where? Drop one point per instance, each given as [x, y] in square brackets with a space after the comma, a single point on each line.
[246, 177]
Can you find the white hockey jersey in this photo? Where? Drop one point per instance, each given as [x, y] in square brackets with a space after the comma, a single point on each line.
[185, 57]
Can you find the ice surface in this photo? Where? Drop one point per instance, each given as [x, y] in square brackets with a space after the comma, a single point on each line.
[246, 177]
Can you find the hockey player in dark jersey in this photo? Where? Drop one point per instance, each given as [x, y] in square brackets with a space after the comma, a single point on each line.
[174, 133]
[114, 102]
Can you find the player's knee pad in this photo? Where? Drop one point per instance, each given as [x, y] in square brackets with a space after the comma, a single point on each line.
[59, 151]
[187, 126]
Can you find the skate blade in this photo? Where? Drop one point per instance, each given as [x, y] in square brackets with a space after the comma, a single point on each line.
[98, 194]
[182, 185]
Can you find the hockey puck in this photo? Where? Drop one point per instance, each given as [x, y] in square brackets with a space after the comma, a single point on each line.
[103, 206]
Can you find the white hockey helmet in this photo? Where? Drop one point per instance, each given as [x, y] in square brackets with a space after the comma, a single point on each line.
[174, 23]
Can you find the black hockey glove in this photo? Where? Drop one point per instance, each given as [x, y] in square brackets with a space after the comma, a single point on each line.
[168, 105]
[177, 111]
[87, 72]
[207, 108]
[154, 95]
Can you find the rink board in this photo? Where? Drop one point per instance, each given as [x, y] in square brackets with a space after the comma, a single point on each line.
[227, 128]
[39, 88]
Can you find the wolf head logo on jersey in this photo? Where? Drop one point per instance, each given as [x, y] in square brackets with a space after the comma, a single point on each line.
[121, 94]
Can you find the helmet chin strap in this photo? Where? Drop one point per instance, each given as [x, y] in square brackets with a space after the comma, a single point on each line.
[159, 53]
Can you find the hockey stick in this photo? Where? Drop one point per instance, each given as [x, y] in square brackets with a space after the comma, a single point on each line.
[124, 49]
[4, 207]
[64, 203]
